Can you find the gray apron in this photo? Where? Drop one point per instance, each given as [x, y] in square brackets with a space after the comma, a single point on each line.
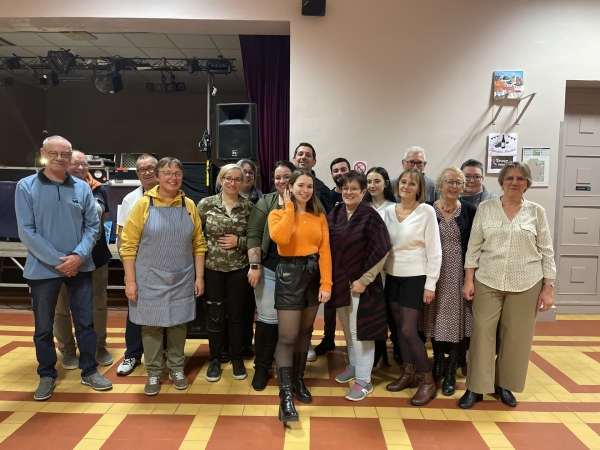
[164, 269]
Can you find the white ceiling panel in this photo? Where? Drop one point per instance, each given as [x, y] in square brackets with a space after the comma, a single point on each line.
[191, 41]
[112, 40]
[226, 42]
[88, 51]
[237, 54]
[163, 52]
[150, 40]
[63, 41]
[25, 39]
[38, 51]
[125, 52]
[201, 53]
[8, 51]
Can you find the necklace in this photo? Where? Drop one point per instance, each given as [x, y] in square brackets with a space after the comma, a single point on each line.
[447, 211]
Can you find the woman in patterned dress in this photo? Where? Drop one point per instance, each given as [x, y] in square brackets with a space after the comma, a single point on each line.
[448, 319]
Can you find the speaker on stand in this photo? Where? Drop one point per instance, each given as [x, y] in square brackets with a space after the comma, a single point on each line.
[237, 131]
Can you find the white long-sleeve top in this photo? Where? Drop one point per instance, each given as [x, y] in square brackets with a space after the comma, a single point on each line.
[416, 246]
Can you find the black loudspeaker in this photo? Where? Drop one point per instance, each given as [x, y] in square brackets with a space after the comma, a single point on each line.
[237, 131]
[313, 7]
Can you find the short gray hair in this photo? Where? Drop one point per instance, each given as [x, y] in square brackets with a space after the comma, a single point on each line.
[415, 149]
[146, 156]
[56, 138]
[241, 163]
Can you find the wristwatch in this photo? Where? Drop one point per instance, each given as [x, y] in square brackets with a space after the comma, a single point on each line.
[254, 266]
[548, 283]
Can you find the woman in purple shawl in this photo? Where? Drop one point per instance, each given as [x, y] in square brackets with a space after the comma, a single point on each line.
[359, 246]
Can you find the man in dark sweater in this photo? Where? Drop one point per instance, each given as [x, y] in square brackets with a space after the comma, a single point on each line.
[339, 167]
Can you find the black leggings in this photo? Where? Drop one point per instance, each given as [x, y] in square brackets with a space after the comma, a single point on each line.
[411, 346]
[295, 329]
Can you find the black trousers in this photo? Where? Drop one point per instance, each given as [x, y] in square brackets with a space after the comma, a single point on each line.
[226, 295]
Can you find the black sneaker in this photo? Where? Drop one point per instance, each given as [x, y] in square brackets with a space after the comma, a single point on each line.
[239, 370]
[214, 370]
[325, 346]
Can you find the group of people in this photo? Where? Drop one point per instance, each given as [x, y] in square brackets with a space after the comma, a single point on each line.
[443, 259]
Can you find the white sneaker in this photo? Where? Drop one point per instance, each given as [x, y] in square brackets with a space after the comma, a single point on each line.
[127, 366]
[311, 356]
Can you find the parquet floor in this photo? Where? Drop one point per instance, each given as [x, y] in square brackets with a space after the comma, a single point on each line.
[560, 408]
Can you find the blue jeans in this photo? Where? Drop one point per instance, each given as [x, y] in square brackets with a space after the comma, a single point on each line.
[44, 294]
[133, 339]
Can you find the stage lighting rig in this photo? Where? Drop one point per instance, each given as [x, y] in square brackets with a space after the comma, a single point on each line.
[61, 61]
[218, 66]
[112, 82]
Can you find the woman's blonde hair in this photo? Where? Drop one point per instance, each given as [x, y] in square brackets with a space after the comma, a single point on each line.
[226, 168]
[415, 174]
[440, 178]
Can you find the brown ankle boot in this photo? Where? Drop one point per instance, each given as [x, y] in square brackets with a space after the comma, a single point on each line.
[426, 391]
[408, 377]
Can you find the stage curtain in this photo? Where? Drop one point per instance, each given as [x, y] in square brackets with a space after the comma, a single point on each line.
[267, 72]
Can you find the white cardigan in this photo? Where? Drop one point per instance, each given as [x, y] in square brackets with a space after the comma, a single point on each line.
[416, 247]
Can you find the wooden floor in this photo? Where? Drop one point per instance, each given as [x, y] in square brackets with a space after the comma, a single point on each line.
[560, 408]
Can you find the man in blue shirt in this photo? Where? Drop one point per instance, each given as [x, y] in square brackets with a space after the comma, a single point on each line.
[58, 223]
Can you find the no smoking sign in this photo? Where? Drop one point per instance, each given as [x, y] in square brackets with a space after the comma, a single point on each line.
[360, 166]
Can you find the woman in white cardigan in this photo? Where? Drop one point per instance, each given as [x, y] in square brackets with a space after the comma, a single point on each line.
[412, 268]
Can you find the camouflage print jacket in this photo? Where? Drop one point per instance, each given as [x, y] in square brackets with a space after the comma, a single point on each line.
[216, 223]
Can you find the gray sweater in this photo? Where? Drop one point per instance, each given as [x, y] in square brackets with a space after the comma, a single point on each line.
[482, 196]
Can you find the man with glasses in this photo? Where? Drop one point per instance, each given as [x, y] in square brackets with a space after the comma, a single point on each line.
[414, 157]
[58, 223]
[475, 192]
[78, 168]
[144, 166]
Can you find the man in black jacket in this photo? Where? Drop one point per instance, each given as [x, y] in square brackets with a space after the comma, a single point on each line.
[305, 157]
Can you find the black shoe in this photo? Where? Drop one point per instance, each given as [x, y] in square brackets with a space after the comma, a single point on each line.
[298, 386]
[468, 400]
[506, 396]
[438, 366]
[449, 384]
[213, 373]
[287, 409]
[325, 346]
[259, 380]
[239, 370]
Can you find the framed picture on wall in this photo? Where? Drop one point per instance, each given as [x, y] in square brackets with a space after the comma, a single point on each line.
[508, 84]
[502, 149]
[538, 160]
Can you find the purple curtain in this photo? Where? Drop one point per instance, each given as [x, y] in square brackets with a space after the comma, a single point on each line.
[267, 71]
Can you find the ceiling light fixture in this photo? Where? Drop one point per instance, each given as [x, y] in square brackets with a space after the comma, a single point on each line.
[61, 60]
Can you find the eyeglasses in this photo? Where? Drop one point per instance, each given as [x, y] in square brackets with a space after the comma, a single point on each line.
[353, 190]
[415, 163]
[519, 179]
[82, 164]
[250, 173]
[63, 155]
[453, 183]
[144, 170]
[473, 177]
[232, 180]
[171, 174]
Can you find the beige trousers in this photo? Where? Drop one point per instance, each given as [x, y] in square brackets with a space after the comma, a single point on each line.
[516, 312]
[152, 338]
[63, 328]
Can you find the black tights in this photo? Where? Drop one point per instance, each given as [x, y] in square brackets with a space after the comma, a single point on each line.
[453, 349]
[411, 346]
[295, 329]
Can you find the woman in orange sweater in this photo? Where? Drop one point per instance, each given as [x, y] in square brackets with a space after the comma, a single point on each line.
[302, 281]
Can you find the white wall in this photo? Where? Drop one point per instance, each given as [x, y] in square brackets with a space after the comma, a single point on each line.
[372, 78]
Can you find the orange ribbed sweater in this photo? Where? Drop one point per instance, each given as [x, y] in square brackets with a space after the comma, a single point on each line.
[302, 235]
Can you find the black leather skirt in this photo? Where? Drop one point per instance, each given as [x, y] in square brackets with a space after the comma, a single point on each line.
[297, 282]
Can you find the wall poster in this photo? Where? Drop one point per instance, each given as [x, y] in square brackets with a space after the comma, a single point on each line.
[502, 149]
[538, 160]
[509, 84]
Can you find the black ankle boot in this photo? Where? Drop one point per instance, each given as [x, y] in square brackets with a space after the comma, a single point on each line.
[467, 401]
[265, 341]
[298, 386]
[287, 410]
[449, 384]
[506, 396]
[438, 366]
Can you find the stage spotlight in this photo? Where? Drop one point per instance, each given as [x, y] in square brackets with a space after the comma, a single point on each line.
[61, 60]
[218, 66]
[12, 63]
[193, 65]
[108, 84]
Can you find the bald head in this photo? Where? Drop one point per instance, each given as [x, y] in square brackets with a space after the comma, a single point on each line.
[79, 166]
